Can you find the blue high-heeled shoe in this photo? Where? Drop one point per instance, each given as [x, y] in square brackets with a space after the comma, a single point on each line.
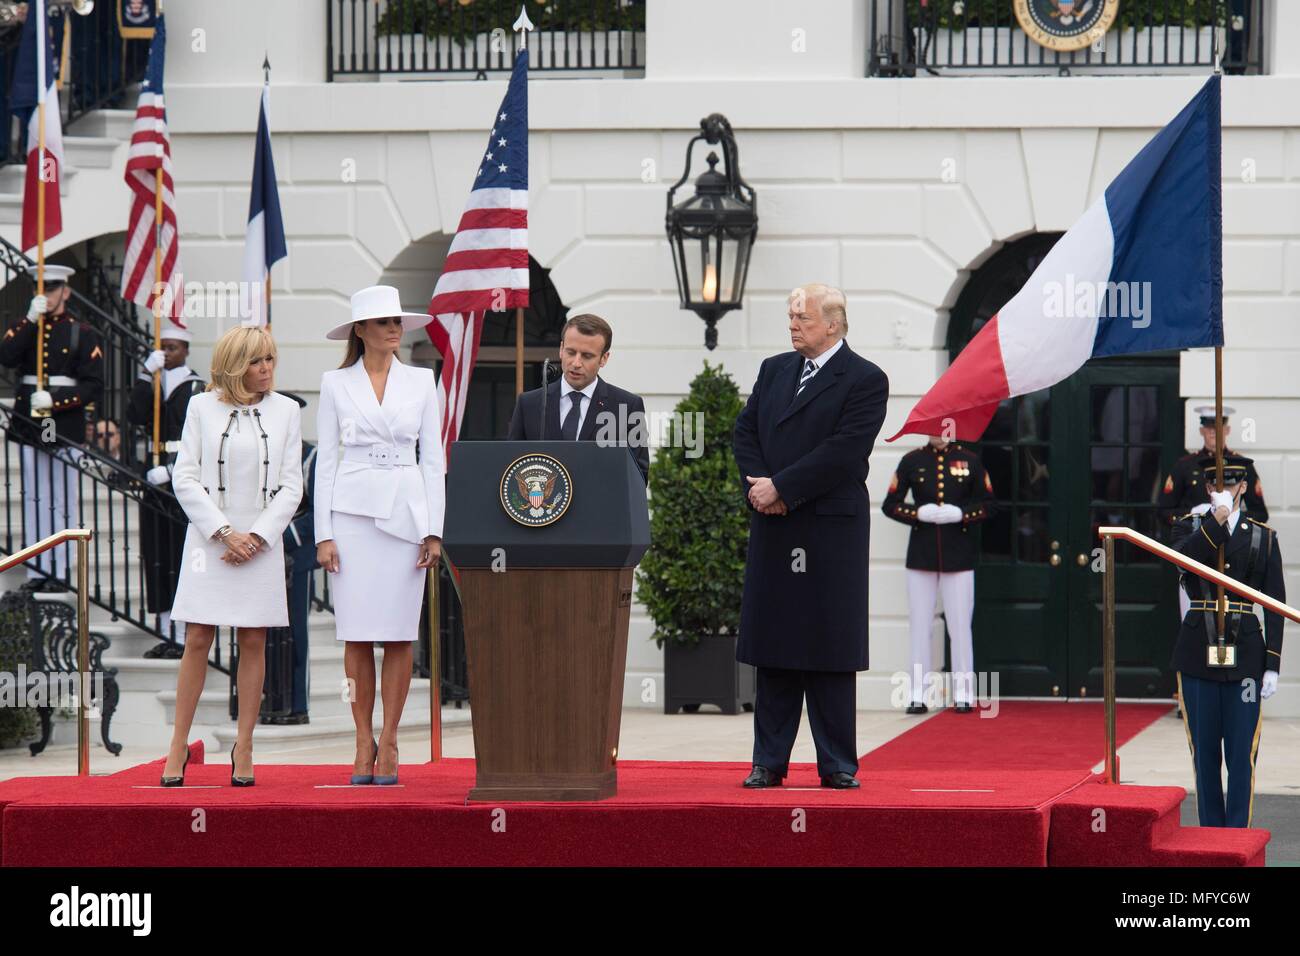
[384, 780]
[361, 779]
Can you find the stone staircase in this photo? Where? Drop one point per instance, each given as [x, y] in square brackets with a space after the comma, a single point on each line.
[91, 167]
[144, 717]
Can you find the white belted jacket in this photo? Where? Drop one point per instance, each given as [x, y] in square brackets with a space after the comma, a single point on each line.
[366, 452]
[196, 478]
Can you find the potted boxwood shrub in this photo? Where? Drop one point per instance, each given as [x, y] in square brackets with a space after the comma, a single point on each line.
[692, 578]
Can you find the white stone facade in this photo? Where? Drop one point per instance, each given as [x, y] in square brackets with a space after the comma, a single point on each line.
[893, 189]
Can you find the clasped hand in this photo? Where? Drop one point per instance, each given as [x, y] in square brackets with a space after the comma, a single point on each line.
[241, 547]
[764, 496]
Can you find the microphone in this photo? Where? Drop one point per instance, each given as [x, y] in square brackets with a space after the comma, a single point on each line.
[546, 368]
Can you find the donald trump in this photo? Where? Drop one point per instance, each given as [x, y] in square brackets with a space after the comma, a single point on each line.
[801, 444]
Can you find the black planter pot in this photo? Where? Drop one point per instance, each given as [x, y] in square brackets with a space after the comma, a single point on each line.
[706, 672]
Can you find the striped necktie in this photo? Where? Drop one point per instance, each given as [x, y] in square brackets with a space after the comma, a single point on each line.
[809, 370]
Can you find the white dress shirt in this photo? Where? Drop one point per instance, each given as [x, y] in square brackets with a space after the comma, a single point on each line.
[566, 403]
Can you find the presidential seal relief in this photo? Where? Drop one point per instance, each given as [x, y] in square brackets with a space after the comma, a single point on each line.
[536, 490]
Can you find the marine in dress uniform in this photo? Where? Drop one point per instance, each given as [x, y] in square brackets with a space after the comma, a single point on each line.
[951, 491]
[1221, 700]
[162, 521]
[74, 381]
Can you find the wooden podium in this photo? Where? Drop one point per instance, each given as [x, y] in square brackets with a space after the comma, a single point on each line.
[546, 609]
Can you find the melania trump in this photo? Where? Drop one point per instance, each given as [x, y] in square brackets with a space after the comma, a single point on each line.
[238, 477]
[378, 510]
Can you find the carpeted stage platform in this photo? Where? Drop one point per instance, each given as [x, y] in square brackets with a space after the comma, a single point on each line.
[937, 796]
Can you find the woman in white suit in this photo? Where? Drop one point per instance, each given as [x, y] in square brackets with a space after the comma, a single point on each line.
[238, 477]
[379, 504]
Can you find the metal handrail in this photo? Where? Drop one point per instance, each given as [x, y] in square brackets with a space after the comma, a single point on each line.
[1108, 534]
[82, 536]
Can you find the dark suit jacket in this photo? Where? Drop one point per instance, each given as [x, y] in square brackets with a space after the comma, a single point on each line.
[609, 404]
[805, 602]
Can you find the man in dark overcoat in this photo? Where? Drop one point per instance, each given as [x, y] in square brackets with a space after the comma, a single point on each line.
[801, 444]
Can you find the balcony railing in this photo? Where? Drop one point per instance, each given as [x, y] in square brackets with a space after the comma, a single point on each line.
[102, 69]
[375, 37]
[947, 37]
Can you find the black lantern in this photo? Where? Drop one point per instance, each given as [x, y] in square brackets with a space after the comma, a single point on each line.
[712, 233]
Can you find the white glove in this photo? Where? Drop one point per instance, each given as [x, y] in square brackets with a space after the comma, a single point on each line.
[154, 362]
[928, 513]
[1201, 509]
[40, 305]
[42, 401]
[1220, 499]
[1269, 686]
[949, 514]
[158, 475]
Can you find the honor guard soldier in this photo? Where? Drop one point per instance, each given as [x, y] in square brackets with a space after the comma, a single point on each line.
[1223, 677]
[950, 492]
[71, 370]
[1184, 488]
[162, 522]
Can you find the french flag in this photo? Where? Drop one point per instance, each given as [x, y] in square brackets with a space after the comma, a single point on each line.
[1141, 271]
[33, 83]
[264, 244]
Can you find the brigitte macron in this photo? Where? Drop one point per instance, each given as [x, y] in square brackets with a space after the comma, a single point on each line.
[379, 503]
[238, 477]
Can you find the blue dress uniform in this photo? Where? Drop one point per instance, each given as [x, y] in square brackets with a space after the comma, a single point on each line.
[74, 370]
[1222, 703]
[300, 552]
[162, 521]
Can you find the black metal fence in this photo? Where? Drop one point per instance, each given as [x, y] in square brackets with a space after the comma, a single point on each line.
[102, 68]
[368, 37]
[946, 37]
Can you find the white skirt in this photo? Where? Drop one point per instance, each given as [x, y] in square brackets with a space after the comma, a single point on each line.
[210, 591]
[378, 591]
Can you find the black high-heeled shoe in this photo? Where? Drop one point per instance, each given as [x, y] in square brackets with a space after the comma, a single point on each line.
[237, 781]
[178, 781]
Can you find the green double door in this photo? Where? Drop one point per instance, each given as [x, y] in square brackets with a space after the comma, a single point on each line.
[1091, 451]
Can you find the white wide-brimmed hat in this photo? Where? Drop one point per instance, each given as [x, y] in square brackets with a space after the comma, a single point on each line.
[53, 273]
[378, 302]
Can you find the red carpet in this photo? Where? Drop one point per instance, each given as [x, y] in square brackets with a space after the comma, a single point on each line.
[1024, 735]
[1014, 790]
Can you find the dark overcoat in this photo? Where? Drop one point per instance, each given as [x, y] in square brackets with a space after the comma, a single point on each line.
[805, 599]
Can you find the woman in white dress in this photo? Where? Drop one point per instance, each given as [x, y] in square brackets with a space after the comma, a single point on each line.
[379, 507]
[238, 477]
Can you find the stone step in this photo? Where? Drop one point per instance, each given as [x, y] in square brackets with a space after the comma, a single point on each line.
[110, 124]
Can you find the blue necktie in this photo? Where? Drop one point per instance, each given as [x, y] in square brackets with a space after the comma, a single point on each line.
[569, 430]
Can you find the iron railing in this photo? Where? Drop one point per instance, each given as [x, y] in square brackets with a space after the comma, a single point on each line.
[90, 489]
[124, 340]
[369, 37]
[984, 36]
[102, 68]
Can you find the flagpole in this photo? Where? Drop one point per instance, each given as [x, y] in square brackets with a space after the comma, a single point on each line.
[1220, 606]
[266, 98]
[41, 38]
[157, 313]
[521, 27]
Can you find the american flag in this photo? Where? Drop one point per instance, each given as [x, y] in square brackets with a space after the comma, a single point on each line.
[487, 266]
[150, 149]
